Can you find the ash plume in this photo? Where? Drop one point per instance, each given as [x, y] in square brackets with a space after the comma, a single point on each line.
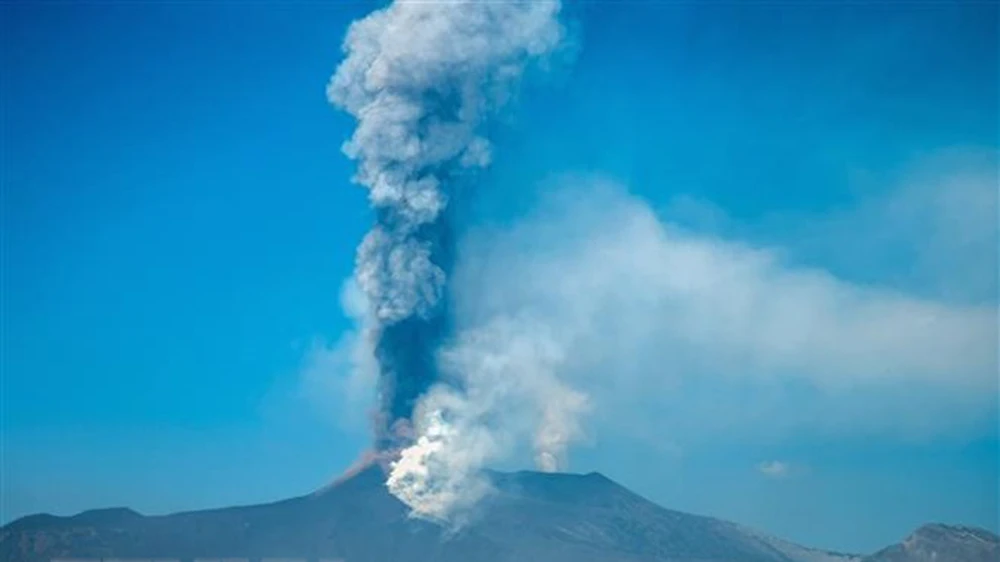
[422, 78]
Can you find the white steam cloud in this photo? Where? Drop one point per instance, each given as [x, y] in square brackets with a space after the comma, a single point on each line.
[508, 372]
[684, 337]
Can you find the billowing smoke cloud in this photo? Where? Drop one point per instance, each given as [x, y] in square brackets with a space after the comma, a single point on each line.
[510, 390]
[421, 78]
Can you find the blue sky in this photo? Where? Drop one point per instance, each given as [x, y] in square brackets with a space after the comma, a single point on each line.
[178, 221]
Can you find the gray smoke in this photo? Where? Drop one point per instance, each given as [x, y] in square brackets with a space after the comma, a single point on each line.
[421, 78]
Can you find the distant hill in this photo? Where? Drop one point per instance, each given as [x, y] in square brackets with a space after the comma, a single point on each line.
[942, 543]
[532, 517]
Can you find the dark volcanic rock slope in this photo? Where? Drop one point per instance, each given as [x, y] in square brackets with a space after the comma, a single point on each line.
[532, 517]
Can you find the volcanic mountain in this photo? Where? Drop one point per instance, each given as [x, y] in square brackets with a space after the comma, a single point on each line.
[531, 517]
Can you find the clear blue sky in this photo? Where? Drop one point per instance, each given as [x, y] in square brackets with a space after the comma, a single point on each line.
[178, 220]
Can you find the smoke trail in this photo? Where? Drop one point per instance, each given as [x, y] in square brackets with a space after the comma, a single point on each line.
[421, 78]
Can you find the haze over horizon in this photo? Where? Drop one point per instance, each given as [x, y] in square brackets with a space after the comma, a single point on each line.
[751, 249]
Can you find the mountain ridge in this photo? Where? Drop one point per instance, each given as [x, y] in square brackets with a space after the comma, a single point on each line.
[530, 516]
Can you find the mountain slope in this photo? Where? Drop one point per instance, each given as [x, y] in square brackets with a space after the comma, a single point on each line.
[532, 516]
[942, 543]
[601, 520]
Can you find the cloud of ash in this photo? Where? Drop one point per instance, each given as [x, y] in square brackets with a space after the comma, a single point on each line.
[595, 305]
[421, 78]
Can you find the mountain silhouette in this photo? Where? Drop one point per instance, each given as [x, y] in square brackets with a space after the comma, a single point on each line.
[531, 517]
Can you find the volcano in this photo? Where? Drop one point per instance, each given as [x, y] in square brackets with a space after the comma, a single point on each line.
[531, 517]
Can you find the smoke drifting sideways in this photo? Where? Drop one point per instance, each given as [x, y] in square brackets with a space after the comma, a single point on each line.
[422, 79]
